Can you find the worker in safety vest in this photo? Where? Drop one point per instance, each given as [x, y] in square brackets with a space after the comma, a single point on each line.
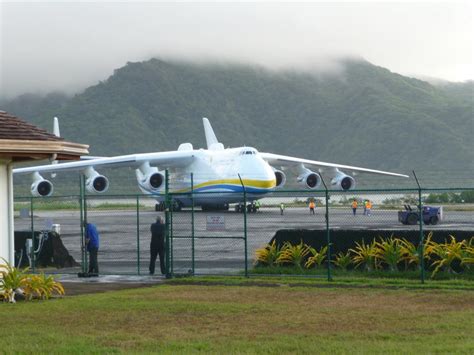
[282, 208]
[368, 207]
[257, 205]
[354, 207]
[311, 206]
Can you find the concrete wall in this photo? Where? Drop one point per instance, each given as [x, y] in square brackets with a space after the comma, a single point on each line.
[6, 212]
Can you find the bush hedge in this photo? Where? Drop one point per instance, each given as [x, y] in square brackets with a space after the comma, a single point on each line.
[342, 240]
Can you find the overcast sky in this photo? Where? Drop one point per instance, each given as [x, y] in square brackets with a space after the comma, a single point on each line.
[49, 46]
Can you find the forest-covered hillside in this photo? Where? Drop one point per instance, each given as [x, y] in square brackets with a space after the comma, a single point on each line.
[366, 115]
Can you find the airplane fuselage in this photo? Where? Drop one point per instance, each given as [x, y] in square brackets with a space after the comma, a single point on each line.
[216, 178]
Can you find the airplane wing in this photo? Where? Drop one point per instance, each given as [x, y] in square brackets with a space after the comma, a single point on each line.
[162, 159]
[286, 161]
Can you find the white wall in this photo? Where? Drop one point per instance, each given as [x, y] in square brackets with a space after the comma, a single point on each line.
[6, 212]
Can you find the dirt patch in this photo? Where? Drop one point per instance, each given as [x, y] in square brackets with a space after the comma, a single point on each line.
[82, 288]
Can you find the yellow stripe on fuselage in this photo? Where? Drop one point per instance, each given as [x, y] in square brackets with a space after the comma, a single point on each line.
[262, 184]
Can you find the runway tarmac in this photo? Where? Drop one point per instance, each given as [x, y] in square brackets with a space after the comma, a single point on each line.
[125, 243]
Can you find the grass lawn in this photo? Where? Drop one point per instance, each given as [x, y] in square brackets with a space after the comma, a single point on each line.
[174, 318]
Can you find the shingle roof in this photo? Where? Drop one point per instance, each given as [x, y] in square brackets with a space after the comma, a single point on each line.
[12, 127]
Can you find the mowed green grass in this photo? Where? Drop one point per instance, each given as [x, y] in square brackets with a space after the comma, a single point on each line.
[244, 319]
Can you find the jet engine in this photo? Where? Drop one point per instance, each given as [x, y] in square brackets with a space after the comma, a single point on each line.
[40, 186]
[309, 179]
[95, 182]
[280, 178]
[149, 178]
[152, 181]
[343, 181]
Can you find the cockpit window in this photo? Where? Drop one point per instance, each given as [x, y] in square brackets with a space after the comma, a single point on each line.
[248, 152]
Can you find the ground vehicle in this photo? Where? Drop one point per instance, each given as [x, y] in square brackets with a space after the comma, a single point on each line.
[431, 215]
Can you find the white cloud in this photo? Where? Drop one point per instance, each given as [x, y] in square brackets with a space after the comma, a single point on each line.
[68, 46]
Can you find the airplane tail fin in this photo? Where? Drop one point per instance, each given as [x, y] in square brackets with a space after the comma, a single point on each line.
[211, 139]
[56, 127]
[57, 134]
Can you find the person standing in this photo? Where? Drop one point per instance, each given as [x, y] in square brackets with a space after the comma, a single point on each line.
[157, 245]
[282, 208]
[354, 207]
[369, 207]
[311, 207]
[92, 244]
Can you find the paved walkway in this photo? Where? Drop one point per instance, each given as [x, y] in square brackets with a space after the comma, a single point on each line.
[74, 285]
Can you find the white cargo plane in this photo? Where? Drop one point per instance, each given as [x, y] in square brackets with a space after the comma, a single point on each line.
[219, 175]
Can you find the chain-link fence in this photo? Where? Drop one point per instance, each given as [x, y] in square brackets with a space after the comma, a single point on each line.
[237, 239]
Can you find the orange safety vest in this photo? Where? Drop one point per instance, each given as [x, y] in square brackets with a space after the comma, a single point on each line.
[311, 204]
[369, 205]
[354, 204]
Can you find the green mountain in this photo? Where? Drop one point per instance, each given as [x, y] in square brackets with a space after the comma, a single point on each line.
[366, 115]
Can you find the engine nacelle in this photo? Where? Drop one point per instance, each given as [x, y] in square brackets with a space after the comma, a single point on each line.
[149, 178]
[310, 180]
[152, 182]
[343, 181]
[280, 178]
[95, 182]
[40, 186]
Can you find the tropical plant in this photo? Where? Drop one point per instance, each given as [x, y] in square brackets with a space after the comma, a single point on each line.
[50, 286]
[293, 254]
[317, 257]
[411, 253]
[15, 281]
[12, 280]
[467, 254]
[343, 260]
[390, 252]
[446, 254]
[268, 255]
[35, 288]
[365, 254]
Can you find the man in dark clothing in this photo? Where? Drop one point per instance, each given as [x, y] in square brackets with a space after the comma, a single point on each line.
[157, 245]
[92, 244]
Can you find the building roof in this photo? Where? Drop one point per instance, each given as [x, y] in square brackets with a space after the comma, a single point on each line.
[12, 127]
[22, 141]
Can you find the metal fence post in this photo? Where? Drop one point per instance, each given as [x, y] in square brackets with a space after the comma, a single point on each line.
[328, 234]
[84, 202]
[138, 234]
[81, 207]
[32, 252]
[171, 233]
[245, 227]
[192, 224]
[167, 225]
[421, 246]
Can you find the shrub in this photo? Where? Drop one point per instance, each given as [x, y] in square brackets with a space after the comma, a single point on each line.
[390, 252]
[268, 255]
[343, 260]
[446, 254]
[365, 254]
[15, 281]
[293, 254]
[317, 257]
[467, 255]
[12, 281]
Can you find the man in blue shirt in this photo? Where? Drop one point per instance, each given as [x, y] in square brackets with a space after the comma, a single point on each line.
[92, 244]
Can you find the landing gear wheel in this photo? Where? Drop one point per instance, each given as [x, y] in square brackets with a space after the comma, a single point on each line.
[177, 206]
